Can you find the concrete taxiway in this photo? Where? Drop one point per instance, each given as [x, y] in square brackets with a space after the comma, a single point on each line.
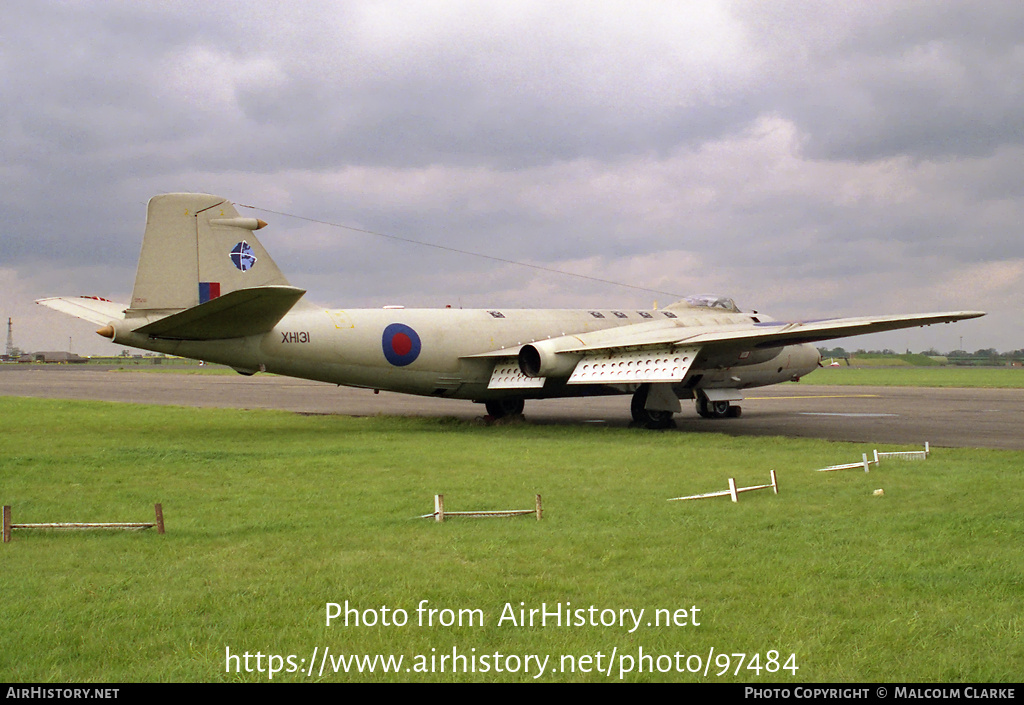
[983, 418]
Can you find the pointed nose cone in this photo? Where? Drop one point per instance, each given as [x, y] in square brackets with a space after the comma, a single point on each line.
[106, 332]
[805, 359]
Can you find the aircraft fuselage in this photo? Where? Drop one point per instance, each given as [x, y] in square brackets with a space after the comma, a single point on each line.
[431, 351]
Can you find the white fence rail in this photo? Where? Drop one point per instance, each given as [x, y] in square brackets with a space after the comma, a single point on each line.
[906, 454]
[865, 463]
[878, 457]
[439, 512]
[734, 491]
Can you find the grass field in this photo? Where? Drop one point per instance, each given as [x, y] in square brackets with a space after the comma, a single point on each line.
[1004, 377]
[887, 360]
[883, 371]
[271, 516]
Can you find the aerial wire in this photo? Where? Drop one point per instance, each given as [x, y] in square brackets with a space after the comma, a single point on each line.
[456, 250]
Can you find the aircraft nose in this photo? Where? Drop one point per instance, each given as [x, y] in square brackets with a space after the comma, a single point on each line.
[806, 359]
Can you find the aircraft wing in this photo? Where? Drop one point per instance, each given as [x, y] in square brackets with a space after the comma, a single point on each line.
[663, 351]
[759, 335]
[776, 333]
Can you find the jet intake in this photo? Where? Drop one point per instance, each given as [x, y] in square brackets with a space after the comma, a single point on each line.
[542, 359]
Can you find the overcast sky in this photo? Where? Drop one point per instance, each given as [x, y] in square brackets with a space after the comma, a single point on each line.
[808, 159]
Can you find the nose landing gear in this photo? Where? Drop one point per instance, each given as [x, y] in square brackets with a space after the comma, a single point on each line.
[716, 409]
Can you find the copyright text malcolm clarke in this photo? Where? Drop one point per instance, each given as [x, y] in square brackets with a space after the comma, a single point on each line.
[886, 692]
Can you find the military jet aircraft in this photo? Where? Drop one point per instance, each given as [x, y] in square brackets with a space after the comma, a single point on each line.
[207, 289]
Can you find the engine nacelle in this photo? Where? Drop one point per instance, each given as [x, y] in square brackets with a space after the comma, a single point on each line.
[543, 359]
[739, 358]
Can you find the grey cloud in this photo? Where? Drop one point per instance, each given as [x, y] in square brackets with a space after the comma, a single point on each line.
[866, 81]
[616, 118]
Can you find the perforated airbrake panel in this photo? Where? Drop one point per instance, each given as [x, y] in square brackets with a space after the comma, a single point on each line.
[507, 375]
[665, 365]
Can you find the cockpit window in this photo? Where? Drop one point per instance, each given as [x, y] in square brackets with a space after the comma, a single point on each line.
[711, 301]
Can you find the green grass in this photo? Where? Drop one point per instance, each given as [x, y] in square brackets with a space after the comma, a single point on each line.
[270, 516]
[894, 360]
[991, 377]
[206, 370]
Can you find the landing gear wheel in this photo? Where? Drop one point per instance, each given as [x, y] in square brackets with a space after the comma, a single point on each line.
[716, 409]
[719, 409]
[500, 408]
[648, 418]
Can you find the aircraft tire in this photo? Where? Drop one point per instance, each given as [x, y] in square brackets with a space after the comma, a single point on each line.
[648, 418]
[500, 408]
[719, 409]
[716, 409]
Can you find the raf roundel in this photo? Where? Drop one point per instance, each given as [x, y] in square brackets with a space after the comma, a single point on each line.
[401, 344]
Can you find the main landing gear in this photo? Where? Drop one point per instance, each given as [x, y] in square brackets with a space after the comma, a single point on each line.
[500, 408]
[654, 419]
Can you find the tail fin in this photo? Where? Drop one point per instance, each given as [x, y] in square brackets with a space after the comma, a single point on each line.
[197, 248]
[202, 275]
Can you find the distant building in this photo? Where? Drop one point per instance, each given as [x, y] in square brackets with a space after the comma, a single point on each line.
[51, 356]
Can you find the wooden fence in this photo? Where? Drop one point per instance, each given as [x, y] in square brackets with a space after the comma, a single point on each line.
[9, 525]
[439, 512]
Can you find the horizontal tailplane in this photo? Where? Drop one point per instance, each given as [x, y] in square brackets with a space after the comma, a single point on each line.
[88, 308]
[237, 314]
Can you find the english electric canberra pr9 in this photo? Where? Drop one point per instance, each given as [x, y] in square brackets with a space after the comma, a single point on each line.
[207, 289]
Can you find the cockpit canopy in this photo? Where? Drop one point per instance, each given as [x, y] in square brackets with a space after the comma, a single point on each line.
[710, 301]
